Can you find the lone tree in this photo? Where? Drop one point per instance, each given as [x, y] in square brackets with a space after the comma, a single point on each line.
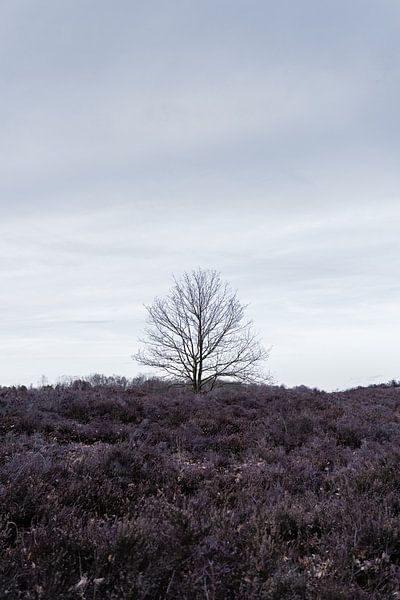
[198, 334]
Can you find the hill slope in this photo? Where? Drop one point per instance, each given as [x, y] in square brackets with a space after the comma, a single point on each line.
[260, 493]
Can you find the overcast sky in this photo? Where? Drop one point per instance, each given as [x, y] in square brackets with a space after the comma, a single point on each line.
[140, 139]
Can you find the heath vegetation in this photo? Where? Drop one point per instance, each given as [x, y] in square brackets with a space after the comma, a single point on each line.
[114, 489]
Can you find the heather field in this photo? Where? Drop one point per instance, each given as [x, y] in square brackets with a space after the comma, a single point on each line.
[115, 489]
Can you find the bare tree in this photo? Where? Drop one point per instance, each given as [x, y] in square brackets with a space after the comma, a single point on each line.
[198, 334]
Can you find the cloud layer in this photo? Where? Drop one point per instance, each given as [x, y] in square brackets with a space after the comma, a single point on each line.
[258, 138]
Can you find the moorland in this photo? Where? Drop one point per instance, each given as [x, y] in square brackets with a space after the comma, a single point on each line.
[113, 489]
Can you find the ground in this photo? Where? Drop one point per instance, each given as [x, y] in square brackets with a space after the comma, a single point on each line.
[117, 490]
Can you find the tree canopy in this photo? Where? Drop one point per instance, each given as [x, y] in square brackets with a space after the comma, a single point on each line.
[199, 334]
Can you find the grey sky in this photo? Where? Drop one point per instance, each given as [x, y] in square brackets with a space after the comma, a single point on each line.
[141, 139]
